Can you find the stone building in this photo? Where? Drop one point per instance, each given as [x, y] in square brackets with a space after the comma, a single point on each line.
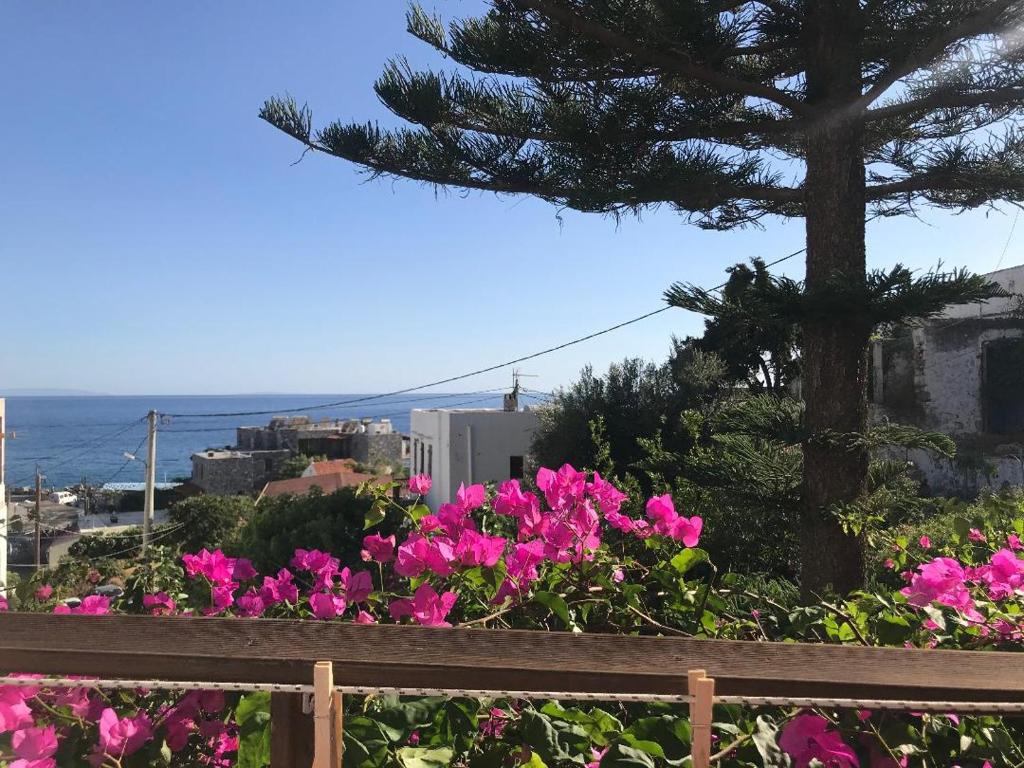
[961, 374]
[365, 440]
[229, 472]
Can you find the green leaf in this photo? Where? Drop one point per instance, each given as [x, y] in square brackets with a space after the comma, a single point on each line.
[410, 715]
[253, 717]
[764, 739]
[418, 512]
[935, 615]
[425, 757]
[893, 629]
[962, 528]
[555, 603]
[375, 516]
[542, 737]
[624, 756]
[687, 559]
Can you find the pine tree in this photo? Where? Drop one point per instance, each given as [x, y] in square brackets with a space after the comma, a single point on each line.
[728, 111]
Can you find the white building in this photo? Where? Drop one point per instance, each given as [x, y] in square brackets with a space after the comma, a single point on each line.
[961, 374]
[456, 446]
[3, 495]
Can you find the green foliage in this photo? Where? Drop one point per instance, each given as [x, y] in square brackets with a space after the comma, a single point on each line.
[296, 465]
[328, 522]
[207, 521]
[633, 401]
[750, 328]
[253, 718]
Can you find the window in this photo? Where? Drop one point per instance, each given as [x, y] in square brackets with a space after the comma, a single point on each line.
[1004, 386]
[430, 460]
[268, 465]
[422, 462]
[515, 467]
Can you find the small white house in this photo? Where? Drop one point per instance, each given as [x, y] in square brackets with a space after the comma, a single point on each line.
[456, 446]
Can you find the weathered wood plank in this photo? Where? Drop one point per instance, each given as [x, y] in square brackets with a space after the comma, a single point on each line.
[282, 651]
[291, 732]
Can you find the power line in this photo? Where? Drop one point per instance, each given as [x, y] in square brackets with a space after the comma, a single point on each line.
[1009, 239]
[87, 445]
[463, 376]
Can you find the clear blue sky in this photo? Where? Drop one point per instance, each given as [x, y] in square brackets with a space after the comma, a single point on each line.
[155, 238]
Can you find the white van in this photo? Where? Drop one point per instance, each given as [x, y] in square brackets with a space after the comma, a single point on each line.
[64, 497]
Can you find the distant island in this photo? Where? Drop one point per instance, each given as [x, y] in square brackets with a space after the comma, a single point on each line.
[28, 392]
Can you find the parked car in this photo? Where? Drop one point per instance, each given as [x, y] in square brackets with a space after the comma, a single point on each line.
[64, 497]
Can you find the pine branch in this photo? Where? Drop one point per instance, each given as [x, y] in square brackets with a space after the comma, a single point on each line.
[942, 99]
[670, 63]
[974, 25]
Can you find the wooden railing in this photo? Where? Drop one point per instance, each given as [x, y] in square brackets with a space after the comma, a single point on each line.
[271, 651]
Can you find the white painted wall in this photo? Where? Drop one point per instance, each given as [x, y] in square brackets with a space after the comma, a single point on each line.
[467, 446]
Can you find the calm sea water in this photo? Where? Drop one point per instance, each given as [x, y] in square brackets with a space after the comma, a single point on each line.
[71, 438]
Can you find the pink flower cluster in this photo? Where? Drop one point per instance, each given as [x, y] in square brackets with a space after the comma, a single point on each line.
[808, 737]
[945, 581]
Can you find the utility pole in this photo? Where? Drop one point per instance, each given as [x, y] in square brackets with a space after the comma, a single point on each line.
[39, 535]
[147, 514]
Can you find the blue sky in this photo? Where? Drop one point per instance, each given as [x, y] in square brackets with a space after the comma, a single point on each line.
[156, 238]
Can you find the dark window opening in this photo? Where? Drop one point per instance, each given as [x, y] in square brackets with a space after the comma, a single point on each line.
[515, 467]
[1004, 386]
[430, 460]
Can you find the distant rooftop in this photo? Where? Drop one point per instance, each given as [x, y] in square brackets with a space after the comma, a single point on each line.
[136, 487]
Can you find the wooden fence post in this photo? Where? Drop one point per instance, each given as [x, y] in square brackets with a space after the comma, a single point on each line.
[324, 748]
[291, 732]
[702, 690]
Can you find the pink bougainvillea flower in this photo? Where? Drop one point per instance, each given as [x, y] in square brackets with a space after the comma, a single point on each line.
[608, 497]
[378, 548]
[470, 498]
[250, 605]
[93, 605]
[939, 580]
[215, 566]
[279, 590]
[322, 565]
[453, 519]
[562, 489]
[365, 618]
[356, 586]
[662, 513]
[3, 604]
[975, 535]
[121, 736]
[159, 604]
[618, 576]
[807, 737]
[420, 484]
[475, 549]
[1013, 542]
[242, 570]
[522, 564]
[426, 607]
[418, 554]
[495, 723]
[688, 531]
[44, 592]
[668, 522]
[925, 542]
[596, 755]
[14, 712]
[34, 746]
[326, 606]
[1003, 575]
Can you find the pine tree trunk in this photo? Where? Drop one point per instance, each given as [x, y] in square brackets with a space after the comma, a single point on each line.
[835, 361]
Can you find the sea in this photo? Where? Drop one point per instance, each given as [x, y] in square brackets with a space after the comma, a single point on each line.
[71, 439]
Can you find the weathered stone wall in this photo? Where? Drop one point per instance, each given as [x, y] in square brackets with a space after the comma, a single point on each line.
[377, 449]
[223, 475]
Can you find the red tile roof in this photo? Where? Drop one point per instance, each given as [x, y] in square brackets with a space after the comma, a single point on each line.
[333, 467]
[327, 483]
